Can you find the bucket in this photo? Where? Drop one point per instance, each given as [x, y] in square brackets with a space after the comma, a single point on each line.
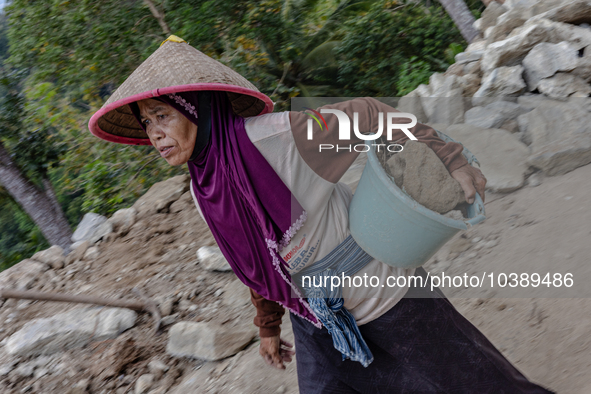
[395, 229]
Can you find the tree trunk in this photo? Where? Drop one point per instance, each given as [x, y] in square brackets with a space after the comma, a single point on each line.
[462, 17]
[41, 206]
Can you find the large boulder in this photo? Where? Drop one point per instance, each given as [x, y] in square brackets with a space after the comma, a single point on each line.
[101, 232]
[442, 100]
[53, 257]
[411, 103]
[505, 24]
[530, 101]
[560, 136]
[87, 227]
[123, 219]
[512, 50]
[208, 340]
[22, 275]
[78, 252]
[563, 85]
[161, 195]
[567, 11]
[532, 7]
[546, 59]
[494, 115]
[501, 155]
[490, 14]
[245, 370]
[502, 82]
[68, 330]
[467, 57]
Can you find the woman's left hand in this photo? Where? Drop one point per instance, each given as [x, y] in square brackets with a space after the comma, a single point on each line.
[276, 351]
[472, 180]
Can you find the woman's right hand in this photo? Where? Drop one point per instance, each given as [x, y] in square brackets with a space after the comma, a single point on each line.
[276, 351]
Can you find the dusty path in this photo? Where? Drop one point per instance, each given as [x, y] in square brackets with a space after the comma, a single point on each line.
[535, 229]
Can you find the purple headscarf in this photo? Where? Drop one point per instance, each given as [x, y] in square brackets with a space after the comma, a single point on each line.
[248, 208]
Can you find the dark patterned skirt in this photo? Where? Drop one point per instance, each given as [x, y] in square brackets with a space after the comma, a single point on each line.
[421, 345]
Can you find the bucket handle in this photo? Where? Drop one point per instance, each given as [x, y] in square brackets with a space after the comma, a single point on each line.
[476, 210]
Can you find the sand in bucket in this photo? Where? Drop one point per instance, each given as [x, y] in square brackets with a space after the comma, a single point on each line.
[422, 175]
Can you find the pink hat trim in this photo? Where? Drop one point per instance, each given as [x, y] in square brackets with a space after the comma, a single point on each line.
[97, 131]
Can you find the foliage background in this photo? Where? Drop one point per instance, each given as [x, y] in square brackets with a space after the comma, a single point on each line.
[62, 59]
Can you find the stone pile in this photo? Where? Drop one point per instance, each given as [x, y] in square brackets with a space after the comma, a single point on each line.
[518, 97]
[160, 245]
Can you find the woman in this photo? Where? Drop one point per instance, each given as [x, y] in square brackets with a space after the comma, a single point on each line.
[274, 205]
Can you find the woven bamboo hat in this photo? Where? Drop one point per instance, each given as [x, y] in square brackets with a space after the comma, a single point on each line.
[174, 67]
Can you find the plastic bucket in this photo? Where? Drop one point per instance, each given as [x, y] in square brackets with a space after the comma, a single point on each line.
[395, 229]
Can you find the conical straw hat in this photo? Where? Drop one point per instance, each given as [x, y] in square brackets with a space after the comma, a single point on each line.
[174, 67]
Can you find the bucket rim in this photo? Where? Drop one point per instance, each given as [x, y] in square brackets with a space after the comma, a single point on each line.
[372, 160]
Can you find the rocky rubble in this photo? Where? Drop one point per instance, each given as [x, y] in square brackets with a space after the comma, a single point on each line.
[528, 74]
[517, 98]
[161, 246]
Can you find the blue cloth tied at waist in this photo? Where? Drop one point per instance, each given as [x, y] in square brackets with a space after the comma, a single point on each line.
[327, 302]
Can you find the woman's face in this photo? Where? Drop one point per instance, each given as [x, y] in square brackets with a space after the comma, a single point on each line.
[169, 131]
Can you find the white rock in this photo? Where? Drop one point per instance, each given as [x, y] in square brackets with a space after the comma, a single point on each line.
[77, 252]
[157, 368]
[411, 103]
[494, 115]
[531, 101]
[532, 7]
[101, 231]
[563, 85]
[477, 24]
[208, 341]
[6, 368]
[144, 383]
[503, 81]
[472, 68]
[534, 180]
[466, 57]
[25, 370]
[546, 59]
[423, 90]
[514, 48]
[90, 222]
[577, 37]
[505, 24]
[75, 245]
[583, 68]
[212, 259]
[166, 305]
[490, 14]
[470, 82]
[476, 46]
[563, 11]
[123, 219]
[560, 136]
[504, 166]
[23, 274]
[92, 253]
[54, 257]
[161, 195]
[69, 330]
[446, 109]
[81, 387]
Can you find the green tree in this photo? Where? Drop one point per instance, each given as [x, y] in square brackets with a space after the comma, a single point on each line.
[26, 153]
